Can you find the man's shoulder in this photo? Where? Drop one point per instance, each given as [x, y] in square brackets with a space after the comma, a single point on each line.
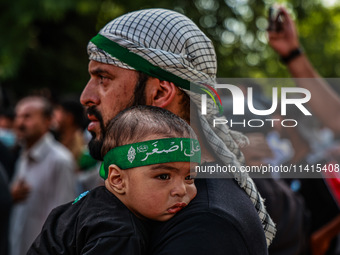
[223, 197]
[221, 218]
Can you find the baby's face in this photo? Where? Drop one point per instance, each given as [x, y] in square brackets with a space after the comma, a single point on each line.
[159, 191]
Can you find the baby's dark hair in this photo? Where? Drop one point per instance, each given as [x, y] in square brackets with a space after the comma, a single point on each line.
[136, 123]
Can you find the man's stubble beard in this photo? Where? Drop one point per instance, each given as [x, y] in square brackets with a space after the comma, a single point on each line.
[95, 144]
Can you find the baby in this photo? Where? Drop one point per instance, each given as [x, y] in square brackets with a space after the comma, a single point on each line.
[150, 155]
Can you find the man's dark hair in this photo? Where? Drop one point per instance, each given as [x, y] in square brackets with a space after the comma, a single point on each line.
[139, 96]
[139, 93]
[136, 123]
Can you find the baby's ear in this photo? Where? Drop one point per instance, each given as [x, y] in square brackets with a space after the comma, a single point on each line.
[116, 180]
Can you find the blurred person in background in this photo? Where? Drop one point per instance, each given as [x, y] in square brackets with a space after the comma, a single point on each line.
[69, 123]
[309, 152]
[8, 150]
[5, 207]
[7, 159]
[44, 174]
[7, 135]
[6, 118]
[324, 103]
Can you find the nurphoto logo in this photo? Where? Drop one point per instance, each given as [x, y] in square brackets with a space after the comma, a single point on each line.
[280, 98]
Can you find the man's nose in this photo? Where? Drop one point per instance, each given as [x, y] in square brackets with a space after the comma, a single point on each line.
[89, 96]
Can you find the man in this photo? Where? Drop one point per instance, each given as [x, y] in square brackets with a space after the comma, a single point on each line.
[150, 57]
[44, 176]
[69, 124]
[325, 104]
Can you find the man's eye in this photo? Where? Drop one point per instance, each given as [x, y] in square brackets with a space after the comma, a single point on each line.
[164, 176]
[101, 77]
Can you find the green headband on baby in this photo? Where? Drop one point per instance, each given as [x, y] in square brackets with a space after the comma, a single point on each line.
[152, 152]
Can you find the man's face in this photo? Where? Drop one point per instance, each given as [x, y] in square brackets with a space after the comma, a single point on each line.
[109, 91]
[30, 123]
[159, 191]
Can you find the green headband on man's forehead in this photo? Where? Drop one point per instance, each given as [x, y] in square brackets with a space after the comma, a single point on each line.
[152, 152]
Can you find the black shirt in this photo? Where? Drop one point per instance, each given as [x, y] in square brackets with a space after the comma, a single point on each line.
[99, 223]
[221, 219]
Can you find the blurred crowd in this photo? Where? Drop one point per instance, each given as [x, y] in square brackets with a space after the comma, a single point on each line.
[305, 207]
[300, 203]
[44, 160]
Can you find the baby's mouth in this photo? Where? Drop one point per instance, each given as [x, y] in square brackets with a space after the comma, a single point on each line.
[177, 207]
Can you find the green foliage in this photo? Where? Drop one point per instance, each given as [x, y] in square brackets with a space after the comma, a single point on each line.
[43, 42]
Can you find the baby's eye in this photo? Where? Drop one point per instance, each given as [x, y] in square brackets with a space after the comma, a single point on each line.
[164, 176]
[189, 177]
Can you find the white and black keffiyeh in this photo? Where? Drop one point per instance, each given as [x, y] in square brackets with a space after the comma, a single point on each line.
[169, 46]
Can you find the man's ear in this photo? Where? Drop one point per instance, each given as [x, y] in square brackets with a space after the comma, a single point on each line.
[116, 180]
[160, 93]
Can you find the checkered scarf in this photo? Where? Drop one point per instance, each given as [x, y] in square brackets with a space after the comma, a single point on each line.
[171, 47]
